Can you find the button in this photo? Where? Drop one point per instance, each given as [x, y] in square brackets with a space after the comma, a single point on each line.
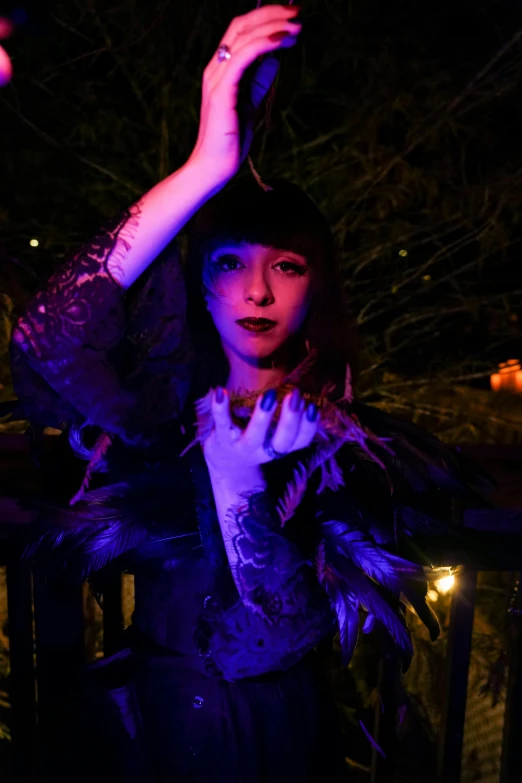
[210, 602]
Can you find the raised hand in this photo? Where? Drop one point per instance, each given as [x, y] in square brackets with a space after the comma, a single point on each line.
[222, 143]
[229, 450]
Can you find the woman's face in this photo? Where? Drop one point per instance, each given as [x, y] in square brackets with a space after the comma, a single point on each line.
[259, 297]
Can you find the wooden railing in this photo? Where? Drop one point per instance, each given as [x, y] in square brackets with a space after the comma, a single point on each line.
[48, 650]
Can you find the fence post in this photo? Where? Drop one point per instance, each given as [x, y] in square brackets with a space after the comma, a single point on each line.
[384, 727]
[511, 768]
[60, 655]
[458, 654]
[22, 683]
[112, 613]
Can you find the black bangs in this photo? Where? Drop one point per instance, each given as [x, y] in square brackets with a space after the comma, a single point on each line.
[284, 217]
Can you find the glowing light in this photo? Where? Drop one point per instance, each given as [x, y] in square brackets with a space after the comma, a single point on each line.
[426, 278]
[445, 584]
[432, 595]
[403, 253]
[508, 378]
[34, 242]
[6, 69]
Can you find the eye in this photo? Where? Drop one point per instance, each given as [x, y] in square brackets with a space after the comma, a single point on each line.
[227, 263]
[291, 268]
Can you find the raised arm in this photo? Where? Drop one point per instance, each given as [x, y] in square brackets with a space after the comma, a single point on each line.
[62, 345]
[223, 138]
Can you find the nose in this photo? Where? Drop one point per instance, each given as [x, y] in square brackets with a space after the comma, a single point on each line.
[257, 290]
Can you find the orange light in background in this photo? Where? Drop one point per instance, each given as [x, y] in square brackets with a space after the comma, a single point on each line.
[508, 378]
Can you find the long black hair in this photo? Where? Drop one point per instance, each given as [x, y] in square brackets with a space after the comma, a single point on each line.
[286, 218]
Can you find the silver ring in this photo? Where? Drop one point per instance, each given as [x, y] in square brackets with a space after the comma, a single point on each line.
[272, 453]
[223, 53]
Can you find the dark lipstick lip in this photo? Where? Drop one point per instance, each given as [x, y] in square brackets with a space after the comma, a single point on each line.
[256, 321]
[256, 325]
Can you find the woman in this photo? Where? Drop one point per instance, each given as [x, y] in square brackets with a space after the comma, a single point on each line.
[219, 680]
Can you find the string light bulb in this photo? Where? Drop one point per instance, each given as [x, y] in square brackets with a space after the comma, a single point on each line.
[34, 242]
[445, 584]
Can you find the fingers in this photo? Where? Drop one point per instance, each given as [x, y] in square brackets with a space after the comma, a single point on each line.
[255, 434]
[259, 16]
[288, 424]
[248, 51]
[307, 427]
[297, 425]
[246, 24]
[295, 430]
[225, 429]
[247, 41]
[245, 53]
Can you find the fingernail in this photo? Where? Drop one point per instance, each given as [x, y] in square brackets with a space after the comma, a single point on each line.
[311, 412]
[295, 400]
[220, 394]
[268, 400]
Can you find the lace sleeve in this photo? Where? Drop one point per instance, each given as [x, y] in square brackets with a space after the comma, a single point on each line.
[86, 349]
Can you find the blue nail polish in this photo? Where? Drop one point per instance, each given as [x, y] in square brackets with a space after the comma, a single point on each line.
[220, 395]
[295, 400]
[268, 400]
[311, 412]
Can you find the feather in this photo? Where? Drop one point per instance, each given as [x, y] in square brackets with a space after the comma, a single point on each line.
[342, 603]
[421, 458]
[293, 495]
[369, 597]
[302, 369]
[346, 613]
[396, 574]
[331, 476]
[101, 446]
[296, 487]
[109, 522]
[349, 590]
[83, 542]
[371, 740]
[382, 566]
[348, 619]
[320, 560]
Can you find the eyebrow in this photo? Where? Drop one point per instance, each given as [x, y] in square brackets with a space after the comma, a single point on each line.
[226, 250]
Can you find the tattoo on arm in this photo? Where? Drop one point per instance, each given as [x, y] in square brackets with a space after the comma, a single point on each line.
[271, 575]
